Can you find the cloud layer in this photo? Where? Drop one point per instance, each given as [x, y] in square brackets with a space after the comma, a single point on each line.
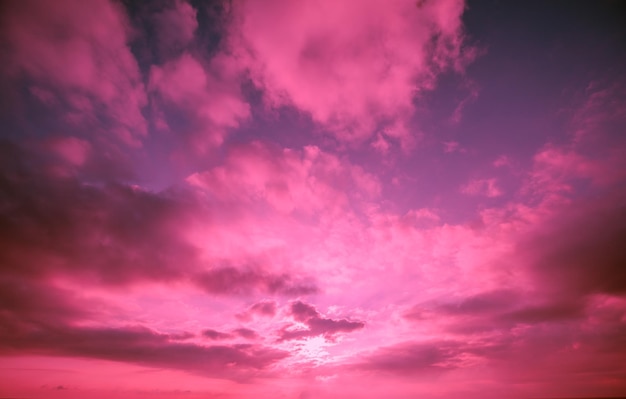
[301, 199]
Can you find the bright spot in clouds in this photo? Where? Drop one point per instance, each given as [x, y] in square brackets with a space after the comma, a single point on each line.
[312, 199]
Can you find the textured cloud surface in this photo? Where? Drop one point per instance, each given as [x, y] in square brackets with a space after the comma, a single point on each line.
[312, 199]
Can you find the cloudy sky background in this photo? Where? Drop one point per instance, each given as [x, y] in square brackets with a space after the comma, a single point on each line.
[312, 199]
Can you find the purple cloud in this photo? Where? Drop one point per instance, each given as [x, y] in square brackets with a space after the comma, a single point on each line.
[316, 324]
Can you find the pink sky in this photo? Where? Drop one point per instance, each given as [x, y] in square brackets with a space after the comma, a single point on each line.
[312, 199]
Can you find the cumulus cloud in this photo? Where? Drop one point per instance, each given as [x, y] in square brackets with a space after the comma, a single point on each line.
[355, 70]
[207, 97]
[175, 26]
[112, 234]
[308, 180]
[76, 58]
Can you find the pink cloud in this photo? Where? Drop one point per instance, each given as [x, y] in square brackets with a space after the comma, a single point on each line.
[301, 271]
[452, 147]
[75, 151]
[576, 251]
[107, 236]
[355, 70]
[309, 180]
[412, 358]
[175, 26]
[316, 324]
[260, 309]
[230, 280]
[266, 308]
[502, 161]
[486, 187]
[209, 96]
[78, 53]
[141, 345]
[216, 335]
[594, 154]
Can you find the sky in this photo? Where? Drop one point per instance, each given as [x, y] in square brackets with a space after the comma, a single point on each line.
[312, 199]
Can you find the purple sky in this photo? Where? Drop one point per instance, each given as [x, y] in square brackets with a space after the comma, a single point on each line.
[312, 199]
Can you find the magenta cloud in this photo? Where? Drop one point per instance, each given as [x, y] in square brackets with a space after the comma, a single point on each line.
[317, 325]
[355, 70]
[76, 59]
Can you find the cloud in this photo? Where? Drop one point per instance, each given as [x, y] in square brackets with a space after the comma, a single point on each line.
[140, 345]
[106, 234]
[484, 302]
[73, 150]
[578, 251]
[76, 59]
[551, 312]
[246, 333]
[112, 234]
[308, 180]
[41, 319]
[216, 335]
[201, 100]
[175, 26]
[302, 311]
[265, 308]
[485, 187]
[595, 152]
[412, 358]
[450, 147]
[317, 325]
[502, 161]
[26, 301]
[498, 312]
[355, 70]
[230, 280]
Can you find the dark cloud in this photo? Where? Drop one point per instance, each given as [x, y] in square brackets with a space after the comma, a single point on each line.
[581, 251]
[498, 310]
[182, 336]
[231, 280]
[238, 332]
[265, 308]
[551, 312]
[32, 301]
[138, 345]
[412, 358]
[246, 333]
[302, 311]
[108, 233]
[317, 325]
[485, 302]
[216, 335]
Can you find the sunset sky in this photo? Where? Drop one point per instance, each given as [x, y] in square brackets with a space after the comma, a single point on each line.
[303, 199]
